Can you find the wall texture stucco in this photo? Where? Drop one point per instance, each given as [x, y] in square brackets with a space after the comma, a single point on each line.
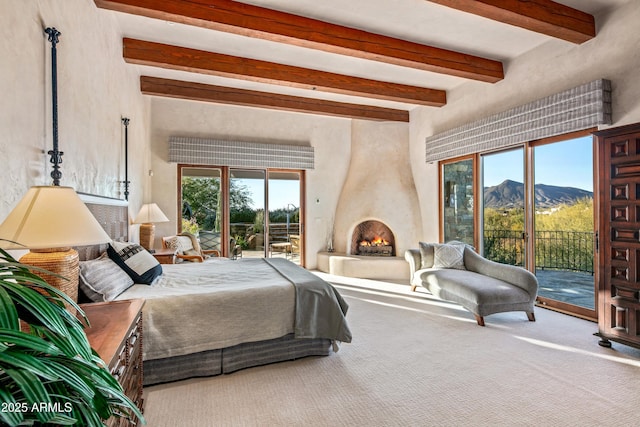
[95, 89]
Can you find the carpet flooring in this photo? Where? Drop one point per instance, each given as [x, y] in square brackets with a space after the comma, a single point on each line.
[419, 361]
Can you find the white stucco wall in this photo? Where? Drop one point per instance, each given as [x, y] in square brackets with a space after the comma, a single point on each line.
[95, 89]
[548, 69]
[330, 137]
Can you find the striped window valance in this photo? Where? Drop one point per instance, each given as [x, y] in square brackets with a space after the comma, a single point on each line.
[575, 109]
[205, 151]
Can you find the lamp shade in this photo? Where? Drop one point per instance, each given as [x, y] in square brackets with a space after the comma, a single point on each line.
[51, 217]
[149, 214]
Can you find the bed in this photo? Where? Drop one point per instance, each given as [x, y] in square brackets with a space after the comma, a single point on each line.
[216, 317]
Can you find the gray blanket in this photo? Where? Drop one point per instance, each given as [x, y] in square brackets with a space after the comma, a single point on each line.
[320, 309]
[219, 303]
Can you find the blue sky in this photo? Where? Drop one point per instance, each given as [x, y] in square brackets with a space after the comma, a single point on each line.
[565, 164]
[281, 193]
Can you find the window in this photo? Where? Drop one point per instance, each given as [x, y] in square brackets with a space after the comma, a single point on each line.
[457, 199]
[225, 207]
[536, 211]
[503, 207]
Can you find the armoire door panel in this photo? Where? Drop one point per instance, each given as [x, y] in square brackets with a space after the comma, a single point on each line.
[619, 148]
[619, 256]
[620, 234]
[626, 170]
[620, 213]
[620, 191]
[625, 293]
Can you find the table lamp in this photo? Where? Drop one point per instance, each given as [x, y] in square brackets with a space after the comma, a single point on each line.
[49, 220]
[149, 214]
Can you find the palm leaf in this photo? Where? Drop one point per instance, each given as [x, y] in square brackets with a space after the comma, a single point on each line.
[36, 304]
[25, 340]
[8, 313]
[32, 388]
[71, 344]
[26, 361]
[12, 418]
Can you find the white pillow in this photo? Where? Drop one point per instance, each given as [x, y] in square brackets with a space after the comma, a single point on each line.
[101, 279]
[448, 255]
[182, 244]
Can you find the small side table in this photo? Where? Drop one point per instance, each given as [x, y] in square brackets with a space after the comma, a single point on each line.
[165, 256]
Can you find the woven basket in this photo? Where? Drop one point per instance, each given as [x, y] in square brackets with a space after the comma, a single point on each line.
[61, 262]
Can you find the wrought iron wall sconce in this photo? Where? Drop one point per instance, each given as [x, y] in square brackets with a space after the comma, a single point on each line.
[126, 182]
[56, 155]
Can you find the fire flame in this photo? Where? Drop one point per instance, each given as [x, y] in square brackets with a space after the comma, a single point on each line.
[377, 241]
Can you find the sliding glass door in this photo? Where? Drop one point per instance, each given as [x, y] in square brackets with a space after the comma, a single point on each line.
[537, 212]
[225, 208]
[246, 212]
[201, 210]
[285, 231]
[503, 203]
[564, 222]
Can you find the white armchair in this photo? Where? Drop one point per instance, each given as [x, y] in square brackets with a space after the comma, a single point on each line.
[188, 248]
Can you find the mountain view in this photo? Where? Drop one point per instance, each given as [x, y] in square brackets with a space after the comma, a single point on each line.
[510, 194]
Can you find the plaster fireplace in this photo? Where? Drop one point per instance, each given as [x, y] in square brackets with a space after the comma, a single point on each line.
[378, 200]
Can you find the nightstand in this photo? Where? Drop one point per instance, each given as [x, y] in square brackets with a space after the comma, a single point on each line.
[116, 334]
[165, 256]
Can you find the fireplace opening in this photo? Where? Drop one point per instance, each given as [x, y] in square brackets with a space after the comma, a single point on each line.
[372, 238]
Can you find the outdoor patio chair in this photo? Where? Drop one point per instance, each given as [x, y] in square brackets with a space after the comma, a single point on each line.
[187, 247]
[294, 239]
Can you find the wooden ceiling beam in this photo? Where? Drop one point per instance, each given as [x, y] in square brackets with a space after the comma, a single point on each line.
[198, 61]
[250, 98]
[542, 16]
[254, 21]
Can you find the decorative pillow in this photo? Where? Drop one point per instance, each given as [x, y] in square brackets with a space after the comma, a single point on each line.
[101, 279]
[182, 244]
[426, 254]
[447, 255]
[139, 264]
[193, 244]
[194, 241]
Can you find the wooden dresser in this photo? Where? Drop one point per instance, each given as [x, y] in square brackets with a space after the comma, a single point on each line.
[116, 334]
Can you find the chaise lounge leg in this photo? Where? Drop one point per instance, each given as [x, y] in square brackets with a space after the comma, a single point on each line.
[479, 319]
[413, 288]
[531, 317]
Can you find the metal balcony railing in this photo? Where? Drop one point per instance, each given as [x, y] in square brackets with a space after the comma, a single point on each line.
[558, 250]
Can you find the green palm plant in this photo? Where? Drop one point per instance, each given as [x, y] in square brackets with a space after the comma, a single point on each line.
[49, 374]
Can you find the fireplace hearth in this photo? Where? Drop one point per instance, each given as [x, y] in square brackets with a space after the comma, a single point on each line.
[372, 238]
